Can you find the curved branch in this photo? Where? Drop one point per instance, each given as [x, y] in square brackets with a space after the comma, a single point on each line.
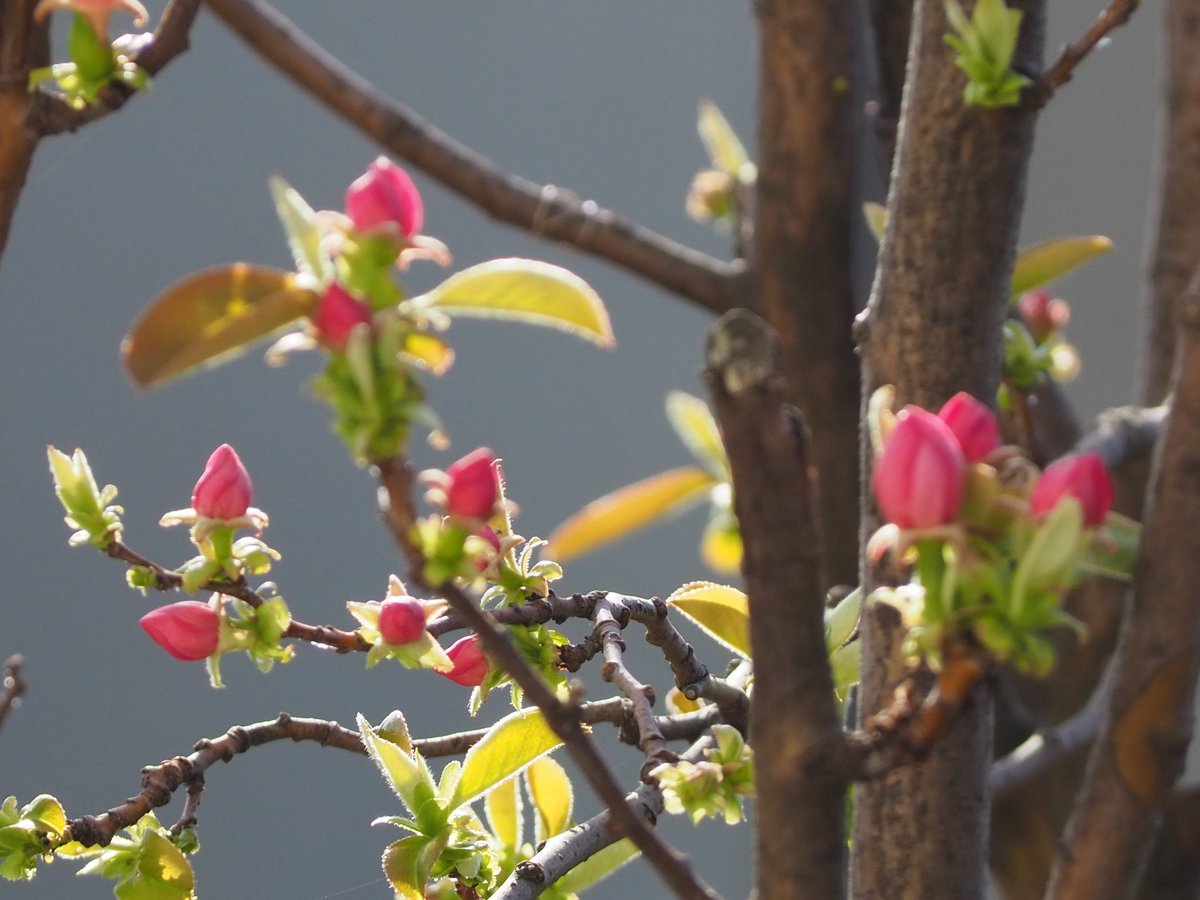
[1116, 14]
[1147, 723]
[543, 210]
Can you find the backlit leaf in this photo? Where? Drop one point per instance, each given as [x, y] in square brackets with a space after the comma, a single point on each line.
[722, 611]
[161, 861]
[628, 509]
[210, 317]
[398, 767]
[1044, 262]
[523, 290]
[503, 807]
[508, 747]
[696, 427]
[876, 218]
[725, 149]
[550, 791]
[598, 866]
[1113, 549]
[407, 864]
[301, 229]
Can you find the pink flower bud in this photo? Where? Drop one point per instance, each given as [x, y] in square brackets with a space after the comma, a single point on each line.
[385, 197]
[1043, 314]
[919, 475]
[473, 485]
[224, 491]
[401, 620]
[973, 424]
[189, 630]
[337, 314]
[97, 12]
[1084, 477]
[470, 664]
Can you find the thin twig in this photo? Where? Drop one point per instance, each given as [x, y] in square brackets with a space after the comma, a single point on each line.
[542, 210]
[1116, 14]
[396, 508]
[14, 685]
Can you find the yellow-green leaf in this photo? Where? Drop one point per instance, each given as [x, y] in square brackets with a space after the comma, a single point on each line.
[400, 769]
[407, 864]
[876, 217]
[550, 791]
[721, 543]
[523, 290]
[841, 621]
[1052, 259]
[210, 317]
[428, 351]
[161, 861]
[508, 747]
[628, 509]
[696, 427]
[1113, 548]
[503, 806]
[725, 149]
[301, 230]
[722, 611]
[598, 866]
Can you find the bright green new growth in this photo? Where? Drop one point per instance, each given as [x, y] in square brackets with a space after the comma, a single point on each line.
[985, 44]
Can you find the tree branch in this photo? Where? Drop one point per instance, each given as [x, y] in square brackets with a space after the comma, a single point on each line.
[801, 258]
[396, 509]
[1173, 249]
[14, 685]
[1116, 14]
[801, 800]
[24, 46]
[543, 210]
[934, 327]
[1147, 723]
[891, 22]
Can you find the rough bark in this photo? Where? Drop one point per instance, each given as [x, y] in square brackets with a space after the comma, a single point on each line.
[1173, 247]
[933, 328]
[891, 22]
[801, 254]
[1148, 723]
[801, 800]
[23, 47]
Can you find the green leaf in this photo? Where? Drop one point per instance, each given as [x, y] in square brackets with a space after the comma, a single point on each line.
[303, 234]
[508, 747]
[721, 543]
[1044, 262]
[696, 427]
[503, 807]
[841, 621]
[598, 866]
[522, 290]
[721, 611]
[552, 796]
[725, 150]
[407, 864]
[400, 768]
[1113, 549]
[209, 318]
[163, 872]
[628, 509]
[844, 663]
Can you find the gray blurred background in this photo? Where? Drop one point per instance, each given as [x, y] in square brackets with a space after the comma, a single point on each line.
[599, 98]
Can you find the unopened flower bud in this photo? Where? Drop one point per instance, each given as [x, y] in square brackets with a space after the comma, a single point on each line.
[385, 197]
[710, 196]
[224, 491]
[188, 630]
[337, 314]
[470, 663]
[1044, 315]
[473, 485]
[1084, 477]
[973, 424]
[401, 620]
[919, 475]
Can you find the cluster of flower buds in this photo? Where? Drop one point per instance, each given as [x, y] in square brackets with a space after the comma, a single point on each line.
[714, 786]
[1034, 345]
[994, 541]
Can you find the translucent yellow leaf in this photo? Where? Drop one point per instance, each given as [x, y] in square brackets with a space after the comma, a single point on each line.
[725, 149]
[508, 747]
[550, 791]
[523, 290]
[210, 317]
[628, 509]
[429, 352]
[696, 427]
[721, 545]
[720, 610]
[598, 867]
[1043, 263]
[301, 229]
[876, 217]
[503, 806]
[161, 860]
[407, 864]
